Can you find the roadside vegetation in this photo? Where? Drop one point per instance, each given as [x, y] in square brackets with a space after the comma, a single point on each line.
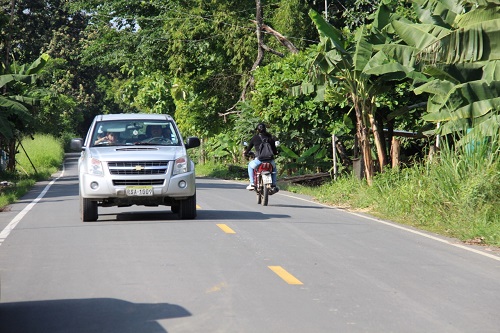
[39, 158]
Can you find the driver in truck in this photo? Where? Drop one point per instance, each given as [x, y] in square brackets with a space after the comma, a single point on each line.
[155, 131]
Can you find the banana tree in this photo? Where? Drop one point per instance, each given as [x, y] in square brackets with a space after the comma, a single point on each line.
[294, 161]
[362, 69]
[15, 115]
[457, 45]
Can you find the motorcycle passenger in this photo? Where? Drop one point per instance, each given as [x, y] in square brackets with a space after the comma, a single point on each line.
[256, 142]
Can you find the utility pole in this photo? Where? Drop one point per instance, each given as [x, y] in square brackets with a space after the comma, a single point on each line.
[334, 143]
[326, 10]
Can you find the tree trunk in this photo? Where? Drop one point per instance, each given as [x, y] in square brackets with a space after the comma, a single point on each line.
[282, 39]
[386, 148]
[260, 49]
[9, 34]
[364, 140]
[395, 149]
[342, 151]
[382, 159]
[10, 145]
[260, 39]
[11, 151]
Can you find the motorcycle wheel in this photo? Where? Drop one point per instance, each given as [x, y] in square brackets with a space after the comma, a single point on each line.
[265, 195]
[258, 190]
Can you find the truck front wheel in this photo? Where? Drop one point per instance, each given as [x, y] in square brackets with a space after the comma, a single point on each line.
[88, 210]
[187, 208]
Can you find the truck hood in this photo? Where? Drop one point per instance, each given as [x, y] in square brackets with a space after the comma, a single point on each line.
[137, 153]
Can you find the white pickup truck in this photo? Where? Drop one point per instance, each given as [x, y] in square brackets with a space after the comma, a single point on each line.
[135, 159]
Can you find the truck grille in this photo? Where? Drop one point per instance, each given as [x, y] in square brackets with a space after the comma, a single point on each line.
[127, 182]
[138, 168]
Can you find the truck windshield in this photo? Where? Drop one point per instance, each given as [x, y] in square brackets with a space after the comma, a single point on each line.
[137, 132]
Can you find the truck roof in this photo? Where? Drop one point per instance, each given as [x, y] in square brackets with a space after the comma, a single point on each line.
[133, 116]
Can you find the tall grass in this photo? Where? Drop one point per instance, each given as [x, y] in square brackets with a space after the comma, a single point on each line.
[222, 171]
[38, 159]
[456, 194]
[40, 156]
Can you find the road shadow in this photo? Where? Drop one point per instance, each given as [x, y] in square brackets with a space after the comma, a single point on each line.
[139, 216]
[86, 315]
[303, 207]
[110, 214]
[167, 215]
[225, 186]
[219, 215]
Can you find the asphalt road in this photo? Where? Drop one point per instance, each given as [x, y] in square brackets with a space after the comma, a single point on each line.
[293, 266]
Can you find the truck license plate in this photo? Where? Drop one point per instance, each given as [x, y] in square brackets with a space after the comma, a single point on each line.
[135, 191]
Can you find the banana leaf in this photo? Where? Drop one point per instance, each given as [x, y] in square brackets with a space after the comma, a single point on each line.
[327, 31]
[476, 42]
[288, 152]
[38, 64]
[363, 51]
[440, 12]
[482, 13]
[471, 111]
[8, 108]
[419, 35]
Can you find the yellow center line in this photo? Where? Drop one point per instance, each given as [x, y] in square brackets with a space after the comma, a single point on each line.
[198, 206]
[226, 229]
[282, 273]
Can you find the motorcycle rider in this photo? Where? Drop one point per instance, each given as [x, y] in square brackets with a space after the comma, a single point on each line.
[256, 142]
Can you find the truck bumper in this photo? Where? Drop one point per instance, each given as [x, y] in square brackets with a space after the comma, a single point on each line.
[96, 187]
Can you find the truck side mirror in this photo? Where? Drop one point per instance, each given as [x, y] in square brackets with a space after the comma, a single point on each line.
[76, 144]
[192, 142]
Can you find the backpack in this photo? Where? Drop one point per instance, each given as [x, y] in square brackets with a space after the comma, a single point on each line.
[265, 150]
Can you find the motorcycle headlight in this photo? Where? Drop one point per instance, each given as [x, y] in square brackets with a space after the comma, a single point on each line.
[95, 167]
[180, 165]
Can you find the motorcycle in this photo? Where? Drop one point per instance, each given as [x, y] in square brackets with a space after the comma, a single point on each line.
[263, 180]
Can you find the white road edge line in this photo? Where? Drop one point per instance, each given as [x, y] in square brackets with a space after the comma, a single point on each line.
[6, 231]
[463, 247]
[492, 256]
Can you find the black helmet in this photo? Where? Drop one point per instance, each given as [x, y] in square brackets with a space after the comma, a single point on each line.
[261, 128]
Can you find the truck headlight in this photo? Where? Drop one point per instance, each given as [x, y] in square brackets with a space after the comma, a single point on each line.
[95, 167]
[180, 165]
